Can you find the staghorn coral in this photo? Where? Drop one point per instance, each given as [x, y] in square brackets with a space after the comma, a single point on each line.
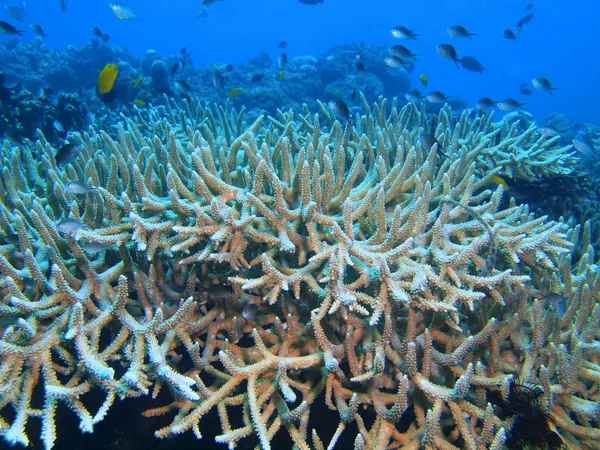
[380, 277]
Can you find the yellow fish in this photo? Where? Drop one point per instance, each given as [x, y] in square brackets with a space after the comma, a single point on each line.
[138, 102]
[234, 92]
[107, 77]
[496, 179]
[281, 75]
[137, 83]
[424, 80]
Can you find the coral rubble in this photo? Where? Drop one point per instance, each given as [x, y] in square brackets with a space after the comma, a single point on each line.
[260, 271]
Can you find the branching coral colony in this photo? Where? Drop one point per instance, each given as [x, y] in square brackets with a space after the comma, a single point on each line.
[292, 263]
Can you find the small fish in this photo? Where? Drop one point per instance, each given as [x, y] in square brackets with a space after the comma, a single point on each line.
[413, 96]
[249, 311]
[107, 77]
[402, 52]
[58, 126]
[63, 5]
[257, 77]
[67, 154]
[359, 66]
[427, 141]
[510, 34]
[138, 82]
[393, 61]
[281, 75]
[183, 51]
[557, 301]
[529, 7]
[424, 80]
[228, 67]
[471, 64]
[401, 32]
[234, 92]
[523, 21]
[123, 11]
[524, 89]
[548, 131]
[182, 85]
[459, 31]
[311, 2]
[78, 187]
[7, 28]
[510, 104]
[69, 226]
[218, 79]
[17, 12]
[139, 103]
[96, 32]
[353, 96]
[37, 29]
[176, 68]
[584, 146]
[543, 84]
[202, 13]
[448, 51]
[282, 60]
[95, 247]
[105, 37]
[437, 97]
[500, 182]
[339, 109]
[282, 44]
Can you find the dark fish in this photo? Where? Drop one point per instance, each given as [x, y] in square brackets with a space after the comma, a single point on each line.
[524, 89]
[353, 96]
[95, 247]
[359, 66]
[401, 32]
[448, 51]
[67, 154]
[249, 311]
[282, 60]
[459, 31]
[228, 67]
[529, 7]
[510, 34]
[339, 109]
[437, 97]
[177, 67]
[510, 104]
[96, 32]
[402, 52]
[63, 5]
[484, 103]
[557, 301]
[282, 44]
[7, 28]
[428, 140]
[182, 85]
[543, 84]
[414, 95]
[183, 51]
[202, 13]
[218, 79]
[470, 63]
[311, 2]
[257, 76]
[393, 61]
[105, 37]
[37, 29]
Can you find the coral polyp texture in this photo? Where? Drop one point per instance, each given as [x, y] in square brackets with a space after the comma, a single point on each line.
[260, 272]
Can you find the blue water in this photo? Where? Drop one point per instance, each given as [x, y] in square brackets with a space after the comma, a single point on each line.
[560, 43]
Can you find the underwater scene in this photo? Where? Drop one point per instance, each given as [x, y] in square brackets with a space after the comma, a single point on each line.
[299, 225]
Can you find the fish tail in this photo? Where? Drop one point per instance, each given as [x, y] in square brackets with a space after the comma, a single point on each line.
[456, 61]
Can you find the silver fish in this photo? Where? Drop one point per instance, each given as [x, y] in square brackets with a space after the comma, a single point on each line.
[249, 311]
[58, 126]
[548, 131]
[339, 109]
[78, 187]
[543, 84]
[393, 61]
[472, 64]
[584, 146]
[18, 12]
[95, 247]
[557, 301]
[484, 103]
[70, 226]
[448, 51]
[402, 52]
[37, 29]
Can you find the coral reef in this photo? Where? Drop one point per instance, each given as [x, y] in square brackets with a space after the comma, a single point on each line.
[260, 271]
